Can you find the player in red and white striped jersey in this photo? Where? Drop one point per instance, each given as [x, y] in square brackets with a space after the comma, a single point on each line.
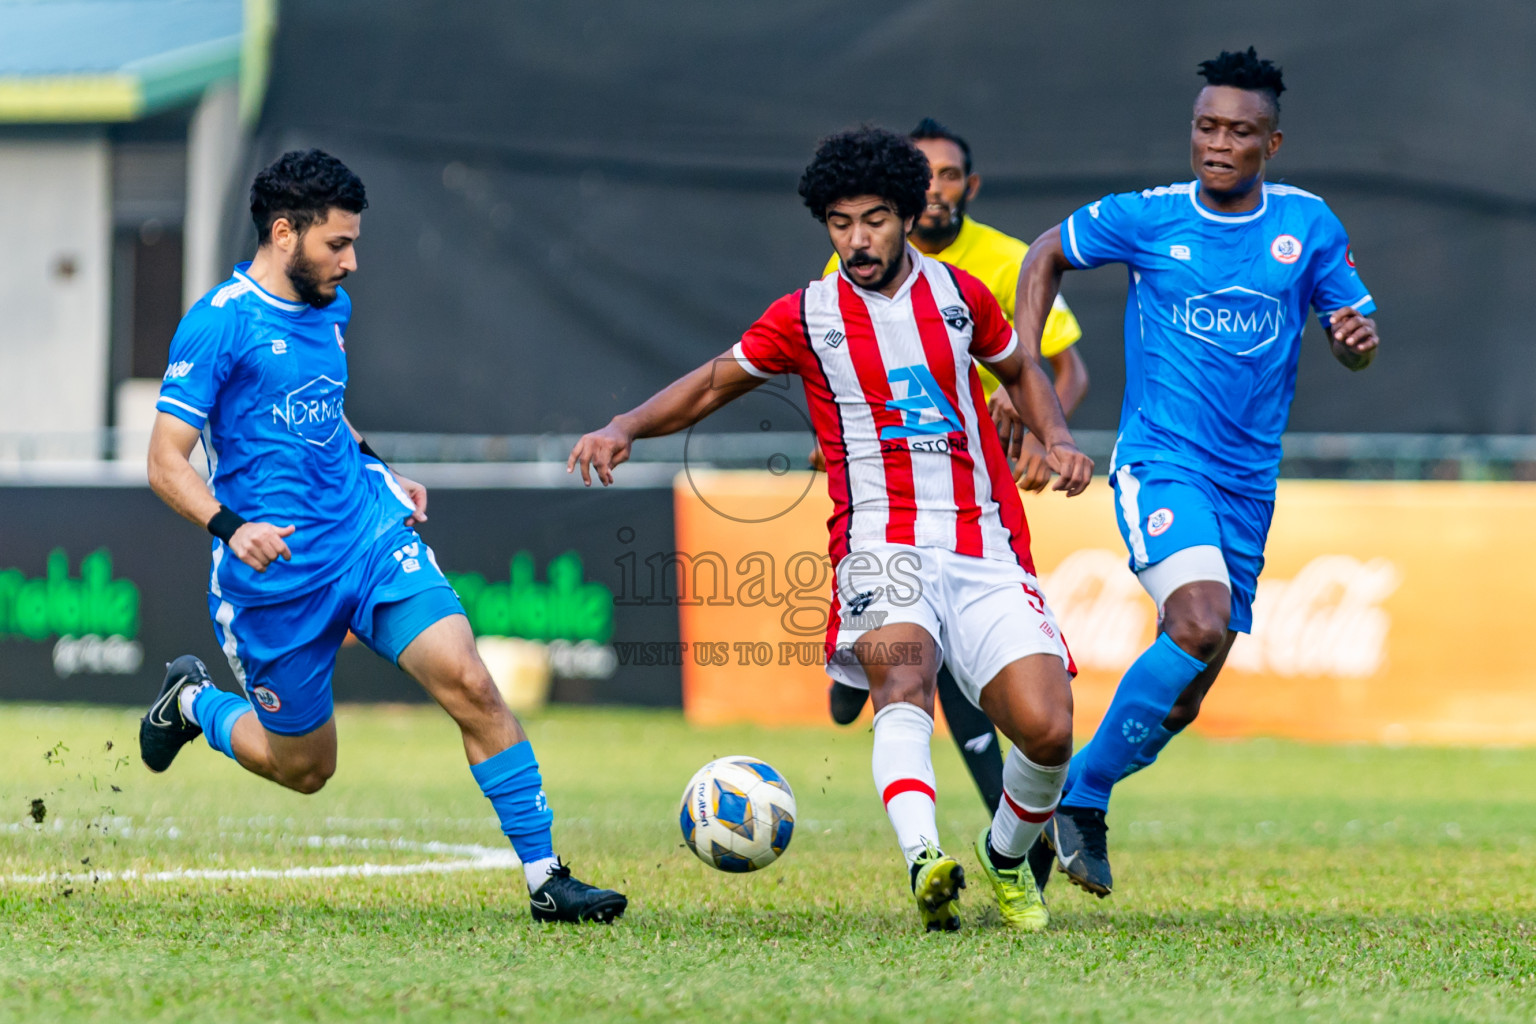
[928, 537]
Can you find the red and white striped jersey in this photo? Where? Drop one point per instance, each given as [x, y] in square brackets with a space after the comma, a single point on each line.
[912, 456]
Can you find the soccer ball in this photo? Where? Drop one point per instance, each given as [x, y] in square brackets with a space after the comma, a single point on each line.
[737, 814]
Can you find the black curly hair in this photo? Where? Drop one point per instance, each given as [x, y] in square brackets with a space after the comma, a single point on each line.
[866, 162]
[302, 186]
[1246, 71]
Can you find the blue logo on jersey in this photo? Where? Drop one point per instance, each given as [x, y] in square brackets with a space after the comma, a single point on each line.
[1236, 320]
[923, 397]
[313, 411]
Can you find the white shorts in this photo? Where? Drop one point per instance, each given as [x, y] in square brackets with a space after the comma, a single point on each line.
[984, 613]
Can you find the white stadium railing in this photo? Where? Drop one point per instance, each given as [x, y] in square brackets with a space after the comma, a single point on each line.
[538, 459]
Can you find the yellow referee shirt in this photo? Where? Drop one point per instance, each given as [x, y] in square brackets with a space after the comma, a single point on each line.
[994, 258]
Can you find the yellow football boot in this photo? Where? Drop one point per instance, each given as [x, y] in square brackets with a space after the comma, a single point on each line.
[1018, 901]
[936, 883]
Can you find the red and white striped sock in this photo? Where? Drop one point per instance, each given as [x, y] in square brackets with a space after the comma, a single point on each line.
[903, 766]
[1030, 795]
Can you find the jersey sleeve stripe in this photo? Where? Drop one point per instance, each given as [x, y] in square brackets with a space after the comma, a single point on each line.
[1077, 257]
[180, 405]
[746, 363]
[1008, 350]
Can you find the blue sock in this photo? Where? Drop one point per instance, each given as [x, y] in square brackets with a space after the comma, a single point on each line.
[1142, 700]
[217, 711]
[1145, 755]
[510, 781]
[1148, 751]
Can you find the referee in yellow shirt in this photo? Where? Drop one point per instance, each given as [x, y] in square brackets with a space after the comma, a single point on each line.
[945, 232]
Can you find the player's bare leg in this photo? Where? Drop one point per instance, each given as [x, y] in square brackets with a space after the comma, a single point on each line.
[444, 660]
[901, 662]
[1030, 701]
[301, 763]
[190, 705]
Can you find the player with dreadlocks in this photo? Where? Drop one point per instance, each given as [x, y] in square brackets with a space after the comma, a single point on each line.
[1222, 272]
[928, 540]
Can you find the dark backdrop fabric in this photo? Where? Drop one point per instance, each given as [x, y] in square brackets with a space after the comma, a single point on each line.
[574, 203]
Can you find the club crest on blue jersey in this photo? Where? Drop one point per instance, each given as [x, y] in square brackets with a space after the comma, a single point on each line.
[1286, 248]
[924, 408]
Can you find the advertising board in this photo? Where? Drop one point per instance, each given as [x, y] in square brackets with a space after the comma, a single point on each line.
[1387, 611]
[101, 586]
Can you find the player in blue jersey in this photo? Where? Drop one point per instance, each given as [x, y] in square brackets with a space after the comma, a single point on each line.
[313, 533]
[1222, 271]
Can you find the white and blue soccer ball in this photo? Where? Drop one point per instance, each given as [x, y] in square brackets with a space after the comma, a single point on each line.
[737, 814]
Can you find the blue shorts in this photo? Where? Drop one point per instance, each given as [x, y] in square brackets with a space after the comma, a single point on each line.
[284, 654]
[1162, 508]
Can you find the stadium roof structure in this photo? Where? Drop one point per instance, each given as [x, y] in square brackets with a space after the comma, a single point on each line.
[73, 61]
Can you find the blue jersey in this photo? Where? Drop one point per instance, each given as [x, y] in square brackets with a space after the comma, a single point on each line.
[1214, 319]
[265, 380]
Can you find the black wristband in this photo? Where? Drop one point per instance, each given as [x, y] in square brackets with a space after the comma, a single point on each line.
[224, 524]
[362, 444]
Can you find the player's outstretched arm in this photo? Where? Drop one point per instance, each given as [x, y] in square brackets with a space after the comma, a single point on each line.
[675, 407]
[172, 477]
[1035, 402]
[1039, 284]
[1071, 375]
[1031, 471]
[1352, 338]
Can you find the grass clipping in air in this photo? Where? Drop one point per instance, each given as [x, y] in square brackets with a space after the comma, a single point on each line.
[1255, 881]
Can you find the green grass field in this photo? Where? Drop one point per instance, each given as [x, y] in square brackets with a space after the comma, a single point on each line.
[1257, 881]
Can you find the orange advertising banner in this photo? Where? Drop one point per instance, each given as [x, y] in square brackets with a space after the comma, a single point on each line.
[1388, 612]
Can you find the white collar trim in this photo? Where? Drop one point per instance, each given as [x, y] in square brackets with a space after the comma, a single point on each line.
[1228, 218]
[269, 298]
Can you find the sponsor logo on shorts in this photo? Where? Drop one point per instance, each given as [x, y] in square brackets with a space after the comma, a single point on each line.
[863, 601]
[1286, 248]
[407, 556]
[1159, 521]
[865, 621]
[266, 698]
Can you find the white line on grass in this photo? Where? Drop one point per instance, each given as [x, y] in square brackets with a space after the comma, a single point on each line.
[468, 857]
